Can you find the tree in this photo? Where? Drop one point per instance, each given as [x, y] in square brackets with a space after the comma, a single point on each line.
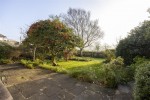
[87, 29]
[33, 37]
[54, 36]
[137, 43]
[97, 47]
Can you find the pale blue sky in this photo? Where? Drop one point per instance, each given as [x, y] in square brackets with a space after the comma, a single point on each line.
[116, 17]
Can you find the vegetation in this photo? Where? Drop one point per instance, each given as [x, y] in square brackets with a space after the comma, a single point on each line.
[51, 39]
[136, 44]
[142, 82]
[30, 64]
[6, 61]
[8, 54]
[97, 47]
[5, 50]
[87, 69]
[109, 55]
[81, 59]
[83, 70]
[92, 54]
[85, 28]
[112, 73]
[55, 38]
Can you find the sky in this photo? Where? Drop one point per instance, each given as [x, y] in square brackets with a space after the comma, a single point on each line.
[116, 17]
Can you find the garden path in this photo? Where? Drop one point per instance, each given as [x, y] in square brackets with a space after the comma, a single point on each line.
[41, 84]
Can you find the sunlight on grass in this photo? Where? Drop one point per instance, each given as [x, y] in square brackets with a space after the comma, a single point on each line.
[87, 71]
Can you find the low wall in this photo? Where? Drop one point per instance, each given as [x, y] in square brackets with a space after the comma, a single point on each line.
[4, 93]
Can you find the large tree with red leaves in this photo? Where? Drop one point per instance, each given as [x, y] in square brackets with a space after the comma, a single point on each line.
[52, 35]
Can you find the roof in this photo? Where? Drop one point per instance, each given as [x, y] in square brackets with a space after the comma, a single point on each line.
[1, 35]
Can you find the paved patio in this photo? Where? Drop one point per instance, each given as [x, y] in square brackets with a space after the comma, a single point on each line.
[41, 84]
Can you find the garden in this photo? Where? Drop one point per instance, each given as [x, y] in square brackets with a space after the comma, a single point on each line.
[50, 44]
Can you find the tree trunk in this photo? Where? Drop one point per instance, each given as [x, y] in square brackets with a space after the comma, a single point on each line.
[54, 61]
[81, 52]
[34, 53]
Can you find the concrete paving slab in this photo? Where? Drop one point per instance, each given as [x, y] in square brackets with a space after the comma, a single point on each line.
[40, 84]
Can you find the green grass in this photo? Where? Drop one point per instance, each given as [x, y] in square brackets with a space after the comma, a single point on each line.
[83, 70]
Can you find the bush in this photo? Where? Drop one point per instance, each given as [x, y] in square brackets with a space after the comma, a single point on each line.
[109, 55]
[136, 44]
[80, 59]
[27, 63]
[81, 76]
[142, 82]
[15, 54]
[5, 50]
[112, 73]
[6, 61]
[131, 69]
[37, 62]
[91, 54]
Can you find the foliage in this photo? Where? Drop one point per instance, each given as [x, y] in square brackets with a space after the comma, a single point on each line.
[81, 59]
[6, 61]
[136, 62]
[27, 63]
[86, 71]
[111, 73]
[5, 50]
[80, 21]
[142, 82]
[37, 62]
[92, 54]
[136, 44]
[97, 47]
[15, 54]
[31, 64]
[109, 54]
[53, 36]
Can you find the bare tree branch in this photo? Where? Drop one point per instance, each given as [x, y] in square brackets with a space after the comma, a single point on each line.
[87, 29]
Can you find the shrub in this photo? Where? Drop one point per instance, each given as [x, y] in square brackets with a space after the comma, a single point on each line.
[137, 43]
[80, 59]
[37, 62]
[109, 55]
[27, 63]
[81, 75]
[15, 54]
[111, 73]
[46, 65]
[91, 54]
[5, 50]
[131, 69]
[142, 82]
[6, 61]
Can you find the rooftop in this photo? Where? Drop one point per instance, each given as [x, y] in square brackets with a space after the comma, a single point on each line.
[1, 35]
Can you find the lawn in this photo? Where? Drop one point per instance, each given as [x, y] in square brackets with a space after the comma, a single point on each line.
[88, 69]
[83, 70]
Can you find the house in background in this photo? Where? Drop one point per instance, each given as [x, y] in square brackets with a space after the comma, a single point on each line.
[3, 38]
[9, 41]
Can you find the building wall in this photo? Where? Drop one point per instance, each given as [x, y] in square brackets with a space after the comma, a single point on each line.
[3, 39]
